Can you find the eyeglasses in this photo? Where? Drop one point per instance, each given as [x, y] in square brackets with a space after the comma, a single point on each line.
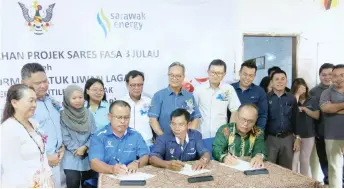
[120, 118]
[248, 121]
[136, 85]
[178, 125]
[97, 90]
[175, 76]
[216, 73]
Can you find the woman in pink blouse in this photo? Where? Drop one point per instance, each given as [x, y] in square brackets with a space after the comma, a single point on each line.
[23, 159]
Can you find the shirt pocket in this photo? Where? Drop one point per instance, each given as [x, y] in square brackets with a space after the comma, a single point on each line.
[254, 99]
[287, 110]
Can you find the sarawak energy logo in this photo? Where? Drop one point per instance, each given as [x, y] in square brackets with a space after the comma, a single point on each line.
[104, 22]
[37, 23]
[133, 21]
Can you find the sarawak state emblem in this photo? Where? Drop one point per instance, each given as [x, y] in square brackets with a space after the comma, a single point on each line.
[38, 23]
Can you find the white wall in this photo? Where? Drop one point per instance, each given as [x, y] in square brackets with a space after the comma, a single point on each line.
[284, 17]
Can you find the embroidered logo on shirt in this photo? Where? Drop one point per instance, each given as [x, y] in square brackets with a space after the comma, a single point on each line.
[144, 109]
[171, 151]
[189, 106]
[57, 105]
[109, 144]
[223, 96]
[270, 101]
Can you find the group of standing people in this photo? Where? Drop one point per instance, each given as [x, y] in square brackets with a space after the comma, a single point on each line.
[85, 135]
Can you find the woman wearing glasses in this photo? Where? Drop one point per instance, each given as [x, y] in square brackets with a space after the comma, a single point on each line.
[24, 163]
[77, 125]
[96, 101]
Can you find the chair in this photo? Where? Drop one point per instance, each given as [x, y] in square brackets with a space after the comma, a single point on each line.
[208, 144]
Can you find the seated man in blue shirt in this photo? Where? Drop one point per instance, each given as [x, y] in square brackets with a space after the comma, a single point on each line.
[115, 148]
[183, 144]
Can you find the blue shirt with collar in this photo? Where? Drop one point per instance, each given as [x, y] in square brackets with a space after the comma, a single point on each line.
[110, 149]
[168, 148]
[282, 115]
[101, 114]
[47, 114]
[254, 95]
[165, 101]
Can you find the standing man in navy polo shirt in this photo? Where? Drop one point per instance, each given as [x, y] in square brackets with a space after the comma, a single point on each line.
[250, 93]
[281, 125]
[171, 98]
[118, 149]
[183, 144]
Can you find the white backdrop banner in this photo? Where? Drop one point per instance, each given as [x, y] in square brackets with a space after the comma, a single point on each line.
[78, 39]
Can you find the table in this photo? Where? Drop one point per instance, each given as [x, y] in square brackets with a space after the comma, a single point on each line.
[224, 177]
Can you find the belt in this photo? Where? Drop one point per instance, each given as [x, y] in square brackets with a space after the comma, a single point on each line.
[282, 134]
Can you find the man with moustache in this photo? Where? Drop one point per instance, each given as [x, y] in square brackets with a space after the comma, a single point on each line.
[139, 104]
[183, 144]
[117, 148]
[332, 105]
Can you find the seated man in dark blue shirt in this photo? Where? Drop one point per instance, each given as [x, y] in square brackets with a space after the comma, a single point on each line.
[183, 144]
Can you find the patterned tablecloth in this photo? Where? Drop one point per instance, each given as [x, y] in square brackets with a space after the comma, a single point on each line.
[224, 177]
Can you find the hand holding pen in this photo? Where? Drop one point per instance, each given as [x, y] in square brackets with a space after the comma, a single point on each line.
[119, 168]
[230, 159]
[175, 164]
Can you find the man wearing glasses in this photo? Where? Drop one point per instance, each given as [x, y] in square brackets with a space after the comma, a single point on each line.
[249, 93]
[213, 99]
[171, 98]
[118, 149]
[139, 103]
[240, 139]
[183, 144]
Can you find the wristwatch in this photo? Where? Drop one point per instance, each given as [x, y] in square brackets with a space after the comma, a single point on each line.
[262, 155]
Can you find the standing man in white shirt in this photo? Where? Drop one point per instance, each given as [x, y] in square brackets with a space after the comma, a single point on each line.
[213, 99]
[139, 103]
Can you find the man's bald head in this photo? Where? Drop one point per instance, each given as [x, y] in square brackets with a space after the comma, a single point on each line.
[247, 118]
[249, 107]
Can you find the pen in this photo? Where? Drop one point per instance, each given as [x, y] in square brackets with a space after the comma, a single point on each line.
[232, 155]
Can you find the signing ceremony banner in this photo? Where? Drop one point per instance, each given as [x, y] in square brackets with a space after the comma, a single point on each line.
[78, 39]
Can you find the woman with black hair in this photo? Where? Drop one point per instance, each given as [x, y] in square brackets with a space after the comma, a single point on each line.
[305, 124]
[95, 101]
[24, 162]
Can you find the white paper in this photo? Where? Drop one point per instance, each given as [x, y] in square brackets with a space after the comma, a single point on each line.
[241, 166]
[187, 170]
[132, 176]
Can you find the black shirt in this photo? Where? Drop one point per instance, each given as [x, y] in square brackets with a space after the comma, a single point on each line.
[305, 124]
[282, 113]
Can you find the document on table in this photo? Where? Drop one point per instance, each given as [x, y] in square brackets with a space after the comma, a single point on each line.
[132, 176]
[241, 166]
[187, 170]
